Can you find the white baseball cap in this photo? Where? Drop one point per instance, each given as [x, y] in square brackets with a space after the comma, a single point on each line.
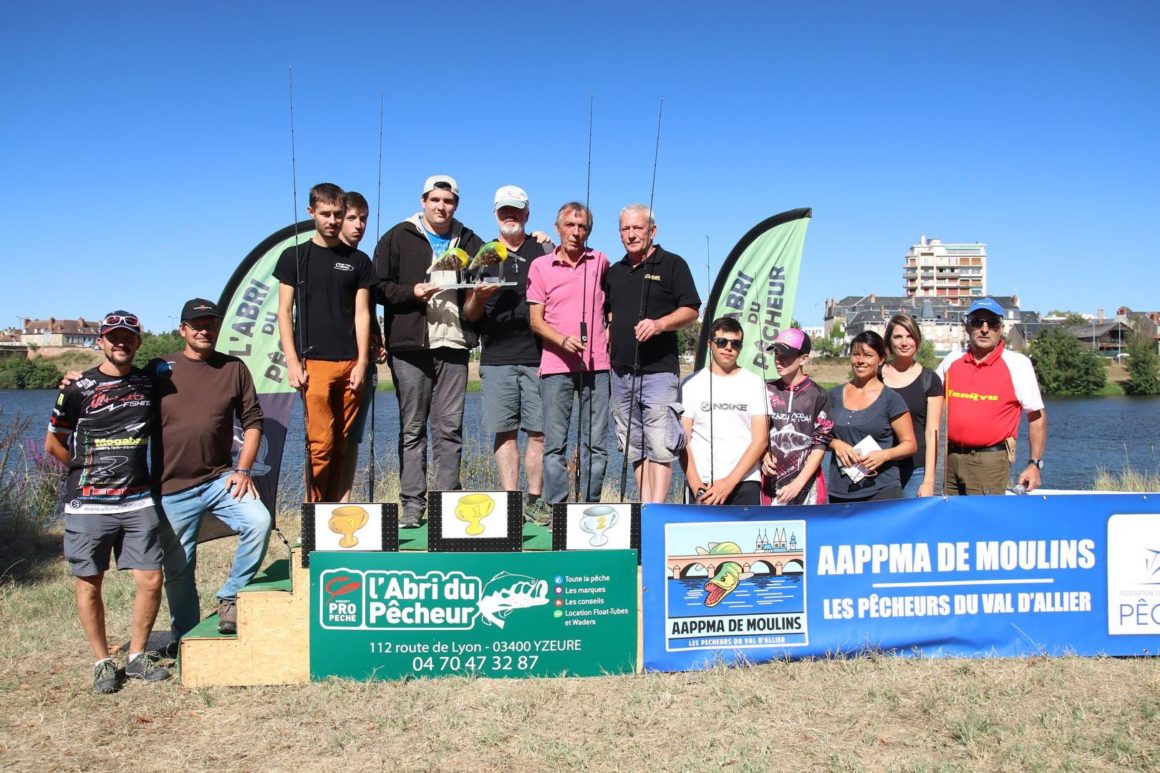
[511, 196]
[441, 181]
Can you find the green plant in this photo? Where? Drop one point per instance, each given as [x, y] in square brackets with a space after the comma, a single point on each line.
[1065, 367]
[1143, 378]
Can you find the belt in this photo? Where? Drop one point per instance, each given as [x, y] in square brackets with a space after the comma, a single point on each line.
[955, 448]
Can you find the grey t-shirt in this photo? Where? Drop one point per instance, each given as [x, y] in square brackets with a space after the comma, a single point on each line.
[851, 427]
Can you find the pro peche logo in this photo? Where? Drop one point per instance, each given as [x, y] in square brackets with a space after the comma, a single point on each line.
[1134, 574]
[385, 600]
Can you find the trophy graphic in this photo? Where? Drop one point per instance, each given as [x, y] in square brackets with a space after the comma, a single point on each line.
[472, 509]
[596, 520]
[346, 520]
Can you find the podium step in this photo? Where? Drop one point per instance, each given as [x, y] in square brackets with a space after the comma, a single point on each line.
[273, 630]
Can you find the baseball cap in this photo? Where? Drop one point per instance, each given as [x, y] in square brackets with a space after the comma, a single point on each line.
[986, 304]
[442, 182]
[120, 320]
[511, 196]
[199, 307]
[792, 340]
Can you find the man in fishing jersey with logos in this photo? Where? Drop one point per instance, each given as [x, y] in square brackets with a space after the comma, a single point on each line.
[651, 295]
[988, 389]
[327, 344]
[100, 430]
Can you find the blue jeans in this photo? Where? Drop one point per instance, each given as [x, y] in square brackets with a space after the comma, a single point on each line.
[181, 519]
[556, 392]
[910, 483]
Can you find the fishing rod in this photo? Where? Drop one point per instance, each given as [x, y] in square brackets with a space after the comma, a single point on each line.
[635, 384]
[584, 326]
[373, 370]
[709, 279]
[300, 305]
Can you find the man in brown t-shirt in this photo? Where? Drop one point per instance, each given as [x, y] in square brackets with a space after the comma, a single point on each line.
[201, 392]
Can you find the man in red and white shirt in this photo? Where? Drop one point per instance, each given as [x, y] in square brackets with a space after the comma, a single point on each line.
[988, 389]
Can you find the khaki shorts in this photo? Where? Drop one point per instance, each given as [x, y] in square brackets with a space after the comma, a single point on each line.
[977, 472]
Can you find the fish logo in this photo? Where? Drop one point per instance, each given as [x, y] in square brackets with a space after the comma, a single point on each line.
[340, 585]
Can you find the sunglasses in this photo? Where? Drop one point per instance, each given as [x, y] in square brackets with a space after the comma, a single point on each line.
[978, 322]
[727, 343]
[118, 319]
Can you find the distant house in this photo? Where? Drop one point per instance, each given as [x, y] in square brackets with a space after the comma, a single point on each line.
[61, 333]
[939, 321]
[1021, 334]
[1108, 338]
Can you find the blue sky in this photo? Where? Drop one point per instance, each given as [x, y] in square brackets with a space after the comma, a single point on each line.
[146, 147]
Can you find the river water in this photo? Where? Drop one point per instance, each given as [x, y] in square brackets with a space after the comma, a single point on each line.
[1083, 435]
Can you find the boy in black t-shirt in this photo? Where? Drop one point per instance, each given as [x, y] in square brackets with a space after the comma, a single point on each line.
[327, 346]
[100, 431]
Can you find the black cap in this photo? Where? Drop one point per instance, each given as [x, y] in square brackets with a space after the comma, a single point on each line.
[199, 307]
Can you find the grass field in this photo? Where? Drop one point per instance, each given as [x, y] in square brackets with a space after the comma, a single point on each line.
[866, 712]
[871, 711]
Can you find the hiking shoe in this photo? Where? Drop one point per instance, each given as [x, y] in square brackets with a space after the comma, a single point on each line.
[142, 667]
[228, 616]
[107, 678]
[411, 519]
[538, 512]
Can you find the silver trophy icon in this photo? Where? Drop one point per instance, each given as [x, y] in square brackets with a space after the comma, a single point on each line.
[597, 520]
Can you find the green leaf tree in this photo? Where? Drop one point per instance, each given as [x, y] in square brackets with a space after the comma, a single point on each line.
[1143, 378]
[1064, 367]
[157, 345]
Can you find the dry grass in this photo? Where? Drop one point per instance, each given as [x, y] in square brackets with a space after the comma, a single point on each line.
[871, 711]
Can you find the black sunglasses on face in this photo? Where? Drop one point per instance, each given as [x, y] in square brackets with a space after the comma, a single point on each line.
[978, 322]
[728, 343]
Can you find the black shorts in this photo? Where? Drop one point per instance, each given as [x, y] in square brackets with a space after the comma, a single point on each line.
[133, 536]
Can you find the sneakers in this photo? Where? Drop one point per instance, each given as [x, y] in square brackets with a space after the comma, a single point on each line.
[107, 678]
[538, 512]
[411, 519]
[228, 616]
[142, 667]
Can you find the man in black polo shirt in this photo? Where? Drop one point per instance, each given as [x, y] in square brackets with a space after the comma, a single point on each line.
[650, 295]
[510, 362]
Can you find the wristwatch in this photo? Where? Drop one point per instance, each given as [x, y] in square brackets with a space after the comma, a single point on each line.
[1037, 462]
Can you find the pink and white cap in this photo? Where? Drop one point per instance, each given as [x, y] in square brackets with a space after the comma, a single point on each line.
[791, 340]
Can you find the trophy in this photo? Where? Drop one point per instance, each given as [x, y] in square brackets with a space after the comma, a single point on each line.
[596, 520]
[472, 509]
[346, 520]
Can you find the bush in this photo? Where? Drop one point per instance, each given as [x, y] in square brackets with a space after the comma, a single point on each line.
[1064, 367]
[29, 496]
[22, 373]
[157, 345]
[1142, 375]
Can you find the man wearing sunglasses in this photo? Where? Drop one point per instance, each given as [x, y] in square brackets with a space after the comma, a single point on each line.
[988, 389]
[202, 392]
[100, 431]
[726, 422]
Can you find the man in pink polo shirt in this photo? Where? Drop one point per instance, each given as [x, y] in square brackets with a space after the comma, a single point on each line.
[988, 390]
[566, 304]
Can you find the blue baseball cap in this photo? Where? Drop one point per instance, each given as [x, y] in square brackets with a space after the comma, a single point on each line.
[988, 305]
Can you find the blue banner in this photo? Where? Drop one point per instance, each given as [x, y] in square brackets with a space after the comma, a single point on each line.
[964, 576]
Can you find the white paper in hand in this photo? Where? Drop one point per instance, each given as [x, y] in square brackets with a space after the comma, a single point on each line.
[856, 472]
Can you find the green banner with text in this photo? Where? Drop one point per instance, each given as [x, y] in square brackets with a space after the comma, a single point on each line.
[398, 615]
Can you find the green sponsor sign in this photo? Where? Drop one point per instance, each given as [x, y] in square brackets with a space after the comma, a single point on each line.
[395, 615]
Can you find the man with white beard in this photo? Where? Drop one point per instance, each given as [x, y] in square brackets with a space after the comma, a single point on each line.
[510, 361]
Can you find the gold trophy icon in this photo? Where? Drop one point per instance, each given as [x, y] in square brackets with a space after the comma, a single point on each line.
[346, 520]
[472, 509]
